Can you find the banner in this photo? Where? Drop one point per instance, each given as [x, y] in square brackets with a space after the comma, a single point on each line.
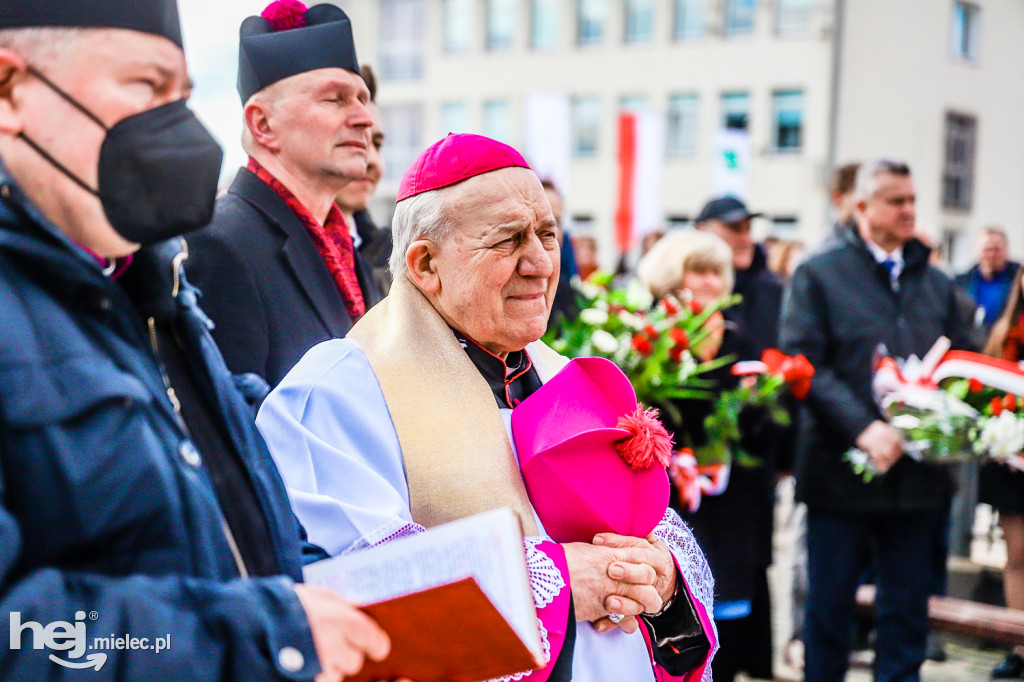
[640, 156]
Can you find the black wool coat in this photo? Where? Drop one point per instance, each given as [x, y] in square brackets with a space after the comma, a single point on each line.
[841, 311]
[264, 284]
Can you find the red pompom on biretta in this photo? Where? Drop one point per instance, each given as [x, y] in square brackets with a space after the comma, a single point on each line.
[648, 443]
[284, 15]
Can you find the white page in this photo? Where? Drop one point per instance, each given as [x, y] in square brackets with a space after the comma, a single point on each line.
[487, 546]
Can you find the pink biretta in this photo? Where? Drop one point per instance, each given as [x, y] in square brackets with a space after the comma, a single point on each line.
[593, 459]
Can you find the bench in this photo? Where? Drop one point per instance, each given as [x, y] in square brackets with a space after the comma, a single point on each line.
[990, 624]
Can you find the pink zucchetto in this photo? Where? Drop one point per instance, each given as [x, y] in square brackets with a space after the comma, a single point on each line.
[455, 158]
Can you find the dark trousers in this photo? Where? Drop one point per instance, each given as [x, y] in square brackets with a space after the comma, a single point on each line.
[839, 548]
[745, 644]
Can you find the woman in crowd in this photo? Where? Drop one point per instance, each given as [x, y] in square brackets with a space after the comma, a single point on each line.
[735, 527]
[1003, 487]
[374, 243]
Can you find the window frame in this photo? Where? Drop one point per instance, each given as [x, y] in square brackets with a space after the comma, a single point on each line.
[958, 174]
[777, 128]
[672, 149]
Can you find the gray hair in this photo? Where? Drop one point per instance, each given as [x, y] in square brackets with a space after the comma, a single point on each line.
[41, 45]
[661, 269]
[867, 175]
[421, 216]
[994, 230]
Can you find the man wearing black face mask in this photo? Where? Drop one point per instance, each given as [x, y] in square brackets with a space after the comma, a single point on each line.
[136, 499]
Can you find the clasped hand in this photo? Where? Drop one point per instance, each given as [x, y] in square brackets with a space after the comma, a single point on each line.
[619, 574]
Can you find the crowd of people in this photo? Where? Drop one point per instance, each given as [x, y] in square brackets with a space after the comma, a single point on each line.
[202, 395]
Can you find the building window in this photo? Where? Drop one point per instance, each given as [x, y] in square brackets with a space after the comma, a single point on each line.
[404, 123]
[787, 120]
[634, 103]
[457, 25]
[498, 120]
[785, 227]
[590, 21]
[401, 46]
[681, 128]
[501, 23]
[958, 171]
[454, 118]
[688, 19]
[966, 31]
[545, 24]
[639, 21]
[586, 125]
[793, 17]
[736, 110]
[739, 17]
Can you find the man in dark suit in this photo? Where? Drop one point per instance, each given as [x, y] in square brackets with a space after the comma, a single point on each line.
[277, 268]
[872, 292]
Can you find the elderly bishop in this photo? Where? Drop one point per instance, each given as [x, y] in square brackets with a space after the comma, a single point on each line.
[405, 423]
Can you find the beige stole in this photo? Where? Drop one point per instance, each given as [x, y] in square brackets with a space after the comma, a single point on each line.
[458, 460]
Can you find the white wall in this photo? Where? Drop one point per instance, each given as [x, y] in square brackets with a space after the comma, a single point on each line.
[899, 80]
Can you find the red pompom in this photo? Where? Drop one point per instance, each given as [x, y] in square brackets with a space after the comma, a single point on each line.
[648, 443]
[285, 15]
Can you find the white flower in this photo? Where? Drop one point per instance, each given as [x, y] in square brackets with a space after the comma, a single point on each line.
[638, 297]
[687, 365]
[594, 316]
[632, 321]
[1002, 437]
[589, 289]
[604, 342]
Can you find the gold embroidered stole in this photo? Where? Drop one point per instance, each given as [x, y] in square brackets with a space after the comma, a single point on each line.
[458, 460]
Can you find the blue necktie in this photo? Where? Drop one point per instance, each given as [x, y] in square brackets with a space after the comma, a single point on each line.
[890, 266]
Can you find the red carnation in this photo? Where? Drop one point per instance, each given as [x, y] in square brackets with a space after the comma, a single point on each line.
[695, 307]
[773, 359]
[680, 337]
[797, 370]
[648, 442]
[285, 15]
[642, 344]
[975, 386]
[676, 353]
[651, 331]
[1010, 402]
[670, 307]
[996, 406]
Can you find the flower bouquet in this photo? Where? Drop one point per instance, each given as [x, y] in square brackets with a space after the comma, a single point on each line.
[763, 385]
[704, 470]
[947, 407]
[656, 346]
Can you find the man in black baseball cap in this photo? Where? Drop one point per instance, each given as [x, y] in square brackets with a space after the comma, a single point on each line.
[757, 315]
[137, 502]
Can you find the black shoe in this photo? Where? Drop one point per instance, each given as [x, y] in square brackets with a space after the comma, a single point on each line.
[1011, 667]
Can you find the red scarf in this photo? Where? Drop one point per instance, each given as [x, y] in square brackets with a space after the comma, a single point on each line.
[332, 240]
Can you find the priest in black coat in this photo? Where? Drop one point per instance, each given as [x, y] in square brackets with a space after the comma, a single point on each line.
[277, 268]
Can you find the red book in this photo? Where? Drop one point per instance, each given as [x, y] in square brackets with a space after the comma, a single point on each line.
[455, 600]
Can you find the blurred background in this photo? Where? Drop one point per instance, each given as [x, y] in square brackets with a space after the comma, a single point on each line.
[760, 99]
